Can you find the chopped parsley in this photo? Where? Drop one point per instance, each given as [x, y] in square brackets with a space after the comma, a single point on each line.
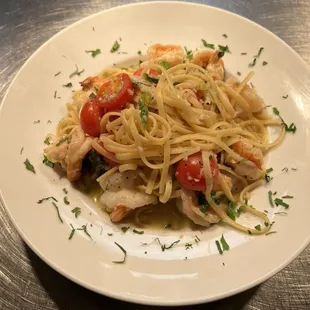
[243, 54]
[55, 94]
[65, 191]
[224, 49]
[270, 198]
[188, 246]
[68, 85]
[189, 53]
[84, 228]
[47, 141]
[285, 169]
[76, 72]
[94, 53]
[259, 52]
[280, 213]
[139, 53]
[164, 64]
[144, 112]
[57, 209]
[66, 201]
[46, 162]
[110, 235]
[36, 122]
[267, 177]
[280, 202]
[76, 211]
[92, 95]
[57, 73]
[231, 211]
[72, 232]
[66, 139]
[29, 166]
[288, 128]
[265, 63]
[124, 229]
[165, 247]
[197, 239]
[21, 151]
[125, 254]
[47, 198]
[94, 28]
[258, 227]
[287, 197]
[238, 73]
[219, 247]
[115, 47]
[207, 45]
[139, 232]
[266, 224]
[225, 35]
[285, 97]
[249, 232]
[150, 78]
[252, 64]
[225, 245]
[269, 170]
[49, 122]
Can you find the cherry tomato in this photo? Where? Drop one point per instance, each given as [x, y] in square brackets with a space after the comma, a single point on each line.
[151, 72]
[90, 117]
[190, 174]
[116, 92]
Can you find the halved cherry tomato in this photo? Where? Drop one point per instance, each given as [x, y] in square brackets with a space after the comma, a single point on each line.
[90, 117]
[110, 162]
[190, 174]
[151, 72]
[116, 92]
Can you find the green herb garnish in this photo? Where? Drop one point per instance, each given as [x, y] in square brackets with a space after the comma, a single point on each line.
[219, 247]
[21, 151]
[269, 233]
[265, 63]
[252, 64]
[66, 201]
[115, 47]
[225, 35]
[139, 53]
[46, 162]
[164, 64]
[36, 122]
[287, 197]
[124, 229]
[224, 49]
[66, 139]
[280, 202]
[76, 211]
[249, 232]
[243, 54]
[57, 73]
[238, 73]
[189, 53]
[259, 52]
[47, 198]
[72, 232]
[68, 85]
[225, 245]
[139, 232]
[76, 72]
[125, 254]
[55, 94]
[47, 141]
[84, 228]
[144, 112]
[231, 211]
[92, 95]
[94, 53]
[188, 246]
[65, 191]
[270, 198]
[150, 79]
[57, 209]
[207, 45]
[280, 213]
[165, 247]
[110, 235]
[284, 97]
[29, 166]
[266, 224]
[291, 128]
[258, 227]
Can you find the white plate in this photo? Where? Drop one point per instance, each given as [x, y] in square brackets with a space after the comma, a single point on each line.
[159, 278]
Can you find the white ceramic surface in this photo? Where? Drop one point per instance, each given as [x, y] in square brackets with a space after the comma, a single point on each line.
[159, 278]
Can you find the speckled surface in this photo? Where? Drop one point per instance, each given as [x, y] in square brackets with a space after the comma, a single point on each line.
[26, 282]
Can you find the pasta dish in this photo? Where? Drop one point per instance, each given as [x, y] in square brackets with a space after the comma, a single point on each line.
[177, 128]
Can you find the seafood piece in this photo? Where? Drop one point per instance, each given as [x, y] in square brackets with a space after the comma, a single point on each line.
[189, 206]
[217, 187]
[251, 167]
[249, 94]
[92, 82]
[70, 151]
[210, 60]
[173, 54]
[121, 194]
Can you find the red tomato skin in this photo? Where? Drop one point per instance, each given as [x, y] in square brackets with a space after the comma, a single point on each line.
[111, 99]
[90, 117]
[190, 175]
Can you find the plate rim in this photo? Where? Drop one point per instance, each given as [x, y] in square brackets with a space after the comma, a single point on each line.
[115, 295]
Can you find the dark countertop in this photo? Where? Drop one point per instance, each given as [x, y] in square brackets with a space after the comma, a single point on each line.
[26, 282]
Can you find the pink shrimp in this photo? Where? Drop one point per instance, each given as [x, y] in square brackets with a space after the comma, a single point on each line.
[118, 213]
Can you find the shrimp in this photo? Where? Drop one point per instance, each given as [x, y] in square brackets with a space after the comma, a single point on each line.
[189, 206]
[173, 54]
[211, 61]
[92, 82]
[251, 168]
[70, 151]
[217, 187]
[121, 194]
[249, 94]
